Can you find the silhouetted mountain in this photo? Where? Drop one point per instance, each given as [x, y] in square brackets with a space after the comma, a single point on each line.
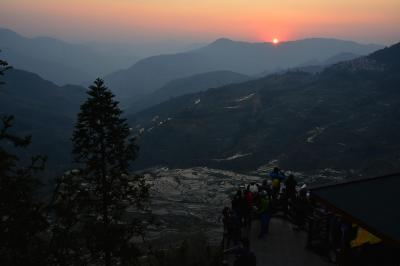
[188, 85]
[143, 48]
[59, 61]
[388, 56]
[347, 117]
[151, 73]
[43, 110]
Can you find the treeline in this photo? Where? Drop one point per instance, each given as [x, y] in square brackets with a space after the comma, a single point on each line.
[86, 221]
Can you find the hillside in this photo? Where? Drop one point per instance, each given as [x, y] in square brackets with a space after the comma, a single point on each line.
[192, 84]
[44, 110]
[151, 73]
[346, 117]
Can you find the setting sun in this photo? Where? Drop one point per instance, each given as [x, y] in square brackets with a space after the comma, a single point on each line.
[275, 41]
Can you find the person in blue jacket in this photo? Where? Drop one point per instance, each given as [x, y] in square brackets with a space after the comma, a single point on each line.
[277, 177]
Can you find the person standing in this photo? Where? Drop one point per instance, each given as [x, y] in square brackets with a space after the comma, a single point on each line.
[289, 197]
[277, 177]
[236, 204]
[265, 214]
[291, 184]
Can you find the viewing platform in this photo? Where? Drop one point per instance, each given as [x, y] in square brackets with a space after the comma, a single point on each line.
[283, 246]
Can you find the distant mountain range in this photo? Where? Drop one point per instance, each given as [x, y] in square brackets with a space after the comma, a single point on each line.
[66, 63]
[150, 74]
[214, 79]
[346, 117]
[59, 61]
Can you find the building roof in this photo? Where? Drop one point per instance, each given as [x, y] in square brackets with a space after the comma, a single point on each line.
[373, 203]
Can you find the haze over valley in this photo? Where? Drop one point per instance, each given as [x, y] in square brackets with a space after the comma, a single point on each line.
[127, 126]
[198, 97]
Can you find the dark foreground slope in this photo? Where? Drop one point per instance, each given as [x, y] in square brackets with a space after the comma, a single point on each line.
[43, 110]
[346, 117]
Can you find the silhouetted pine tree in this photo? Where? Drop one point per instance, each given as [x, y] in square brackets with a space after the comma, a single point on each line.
[22, 220]
[91, 203]
[69, 218]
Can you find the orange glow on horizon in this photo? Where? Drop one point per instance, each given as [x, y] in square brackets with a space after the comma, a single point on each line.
[369, 20]
[275, 40]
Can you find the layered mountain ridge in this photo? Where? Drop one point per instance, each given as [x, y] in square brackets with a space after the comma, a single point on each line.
[59, 61]
[346, 117]
[150, 74]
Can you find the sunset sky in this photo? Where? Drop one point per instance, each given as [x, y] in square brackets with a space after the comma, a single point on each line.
[375, 21]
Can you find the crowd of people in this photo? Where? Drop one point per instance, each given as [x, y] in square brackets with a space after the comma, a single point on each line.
[276, 193]
[342, 241]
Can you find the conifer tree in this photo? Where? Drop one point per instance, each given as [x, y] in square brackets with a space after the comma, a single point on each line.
[95, 198]
[22, 218]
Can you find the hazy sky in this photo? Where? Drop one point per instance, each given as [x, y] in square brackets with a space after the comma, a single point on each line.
[203, 20]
